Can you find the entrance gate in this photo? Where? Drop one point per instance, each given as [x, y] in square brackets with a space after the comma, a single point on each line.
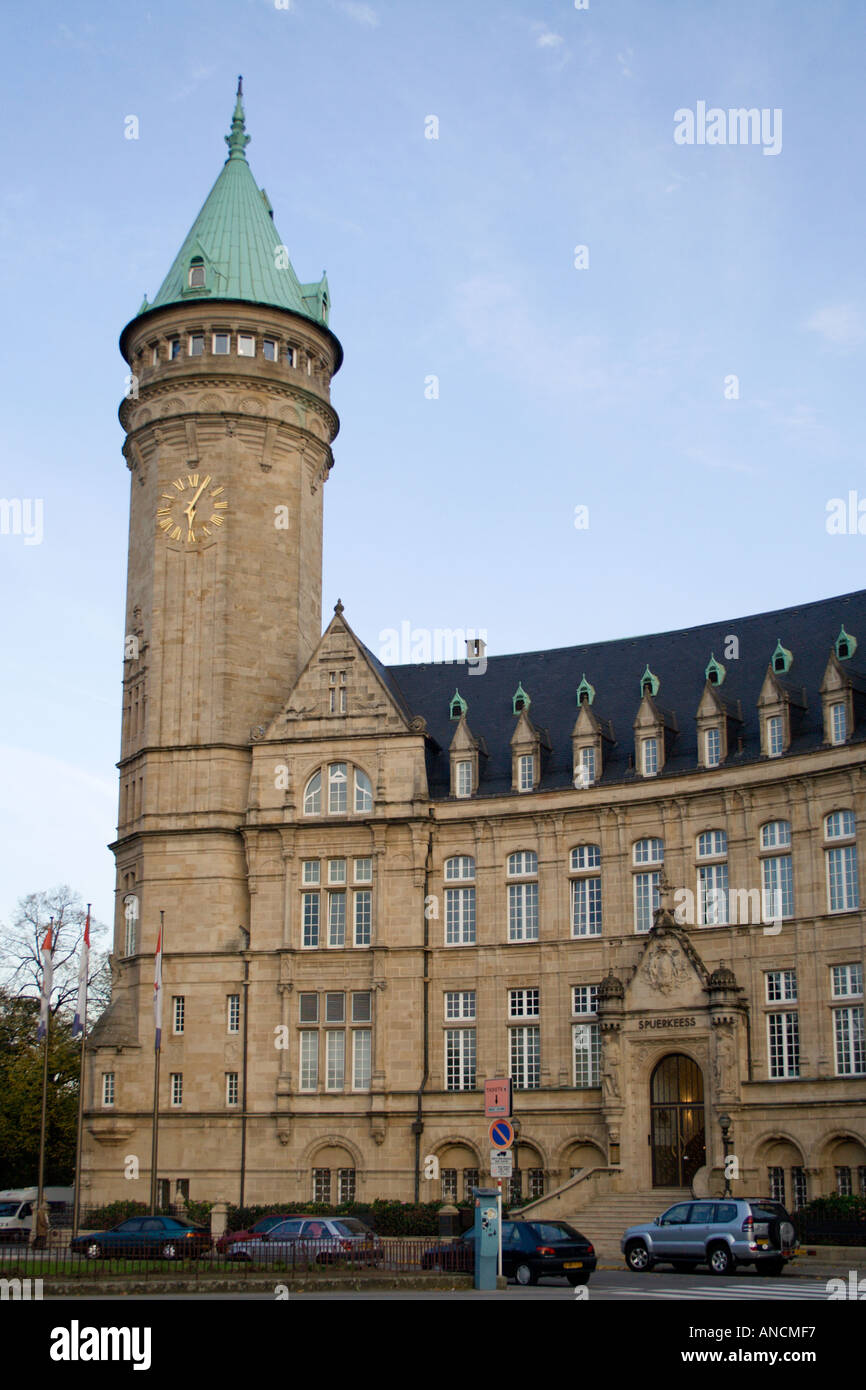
[677, 1121]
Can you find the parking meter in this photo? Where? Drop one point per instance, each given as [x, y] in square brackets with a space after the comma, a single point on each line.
[486, 1234]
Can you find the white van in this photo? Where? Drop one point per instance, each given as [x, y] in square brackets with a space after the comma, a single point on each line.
[18, 1210]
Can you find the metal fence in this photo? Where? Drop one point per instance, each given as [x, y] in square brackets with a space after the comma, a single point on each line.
[95, 1258]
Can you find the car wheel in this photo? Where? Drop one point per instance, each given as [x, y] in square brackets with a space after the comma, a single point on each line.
[575, 1279]
[524, 1275]
[93, 1250]
[169, 1251]
[772, 1267]
[720, 1260]
[638, 1258]
[682, 1266]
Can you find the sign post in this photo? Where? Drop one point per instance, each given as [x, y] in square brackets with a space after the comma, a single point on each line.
[497, 1107]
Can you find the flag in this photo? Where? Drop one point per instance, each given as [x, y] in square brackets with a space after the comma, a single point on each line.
[157, 992]
[47, 983]
[83, 967]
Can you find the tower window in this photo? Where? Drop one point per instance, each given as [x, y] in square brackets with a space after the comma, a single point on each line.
[174, 349]
[196, 344]
[269, 349]
[291, 358]
[196, 274]
[221, 344]
[246, 345]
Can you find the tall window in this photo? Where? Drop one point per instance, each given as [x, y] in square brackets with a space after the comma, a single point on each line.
[176, 1087]
[586, 1039]
[838, 723]
[523, 896]
[783, 1036]
[448, 1178]
[713, 747]
[843, 891]
[322, 1185]
[108, 1088]
[799, 1187]
[337, 692]
[587, 767]
[650, 757]
[848, 1040]
[337, 784]
[233, 1013]
[776, 870]
[775, 735]
[776, 1178]
[362, 1053]
[585, 866]
[345, 1185]
[231, 1088]
[309, 1069]
[178, 1013]
[526, 1058]
[362, 900]
[463, 777]
[712, 878]
[646, 881]
[335, 1059]
[460, 903]
[460, 1059]
[526, 772]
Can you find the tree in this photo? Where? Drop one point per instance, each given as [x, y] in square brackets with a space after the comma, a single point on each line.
[21, 942]
[21, 1064]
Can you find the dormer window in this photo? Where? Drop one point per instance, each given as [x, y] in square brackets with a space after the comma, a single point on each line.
[458, 705]
[520, 700]
[782, 659]
[838, 723]
[846, 645]
[526, 772]
[585, 692]
[649, 684]
[197, 274]
[463, 778]
[715, 671]
[650, 757]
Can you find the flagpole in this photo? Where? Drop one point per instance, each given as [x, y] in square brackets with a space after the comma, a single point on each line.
[76, 1196]
[42, 1124]
[154, 1152]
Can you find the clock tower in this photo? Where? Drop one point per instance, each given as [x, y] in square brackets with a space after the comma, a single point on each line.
[228, 441]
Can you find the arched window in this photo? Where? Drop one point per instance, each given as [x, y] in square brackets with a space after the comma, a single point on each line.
[196, 274]
[523, 897]
[776, 870]
[586, 890]
[363, 791]
[645, 888]
[713, 878]
[313, 795]
[843, 891]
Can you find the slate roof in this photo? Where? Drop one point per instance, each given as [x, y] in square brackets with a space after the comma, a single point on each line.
[236, 237]
[679, 660]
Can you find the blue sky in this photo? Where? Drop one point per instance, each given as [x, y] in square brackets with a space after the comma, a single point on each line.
[558, 387]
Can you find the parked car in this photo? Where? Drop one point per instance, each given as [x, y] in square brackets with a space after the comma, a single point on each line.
[263, 1226]
[531, 1250]
[145, 1238]
[721, 1234]
[312, 1239]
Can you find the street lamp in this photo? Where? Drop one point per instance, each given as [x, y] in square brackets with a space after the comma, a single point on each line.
[725, 1126]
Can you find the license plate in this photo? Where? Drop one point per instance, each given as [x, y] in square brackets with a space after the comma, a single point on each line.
[762, 1244]
[573, 1264]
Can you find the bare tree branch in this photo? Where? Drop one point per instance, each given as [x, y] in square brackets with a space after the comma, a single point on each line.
[20, 943]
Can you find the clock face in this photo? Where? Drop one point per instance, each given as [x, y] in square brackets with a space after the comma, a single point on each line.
[191, 509]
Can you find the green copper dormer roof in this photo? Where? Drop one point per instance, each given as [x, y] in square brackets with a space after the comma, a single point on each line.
[235, 240]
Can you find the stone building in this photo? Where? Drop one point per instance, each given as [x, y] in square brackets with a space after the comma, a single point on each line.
[624, 874]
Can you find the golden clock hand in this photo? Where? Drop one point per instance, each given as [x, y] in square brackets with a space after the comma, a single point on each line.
[198, 494]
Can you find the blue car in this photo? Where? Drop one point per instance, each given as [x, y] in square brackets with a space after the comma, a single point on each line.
[146, 1238]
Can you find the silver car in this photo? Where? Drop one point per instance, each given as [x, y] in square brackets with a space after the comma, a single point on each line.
[721, 1234]
[304, 1241]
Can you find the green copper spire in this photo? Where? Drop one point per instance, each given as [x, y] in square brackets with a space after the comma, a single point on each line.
[233, 249]
[238, 140]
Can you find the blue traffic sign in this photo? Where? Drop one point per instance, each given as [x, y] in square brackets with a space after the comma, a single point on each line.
[501, 1134]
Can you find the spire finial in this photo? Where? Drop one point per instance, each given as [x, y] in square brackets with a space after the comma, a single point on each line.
[237, 140]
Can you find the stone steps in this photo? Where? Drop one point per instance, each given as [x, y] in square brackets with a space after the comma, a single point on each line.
[605, 1219]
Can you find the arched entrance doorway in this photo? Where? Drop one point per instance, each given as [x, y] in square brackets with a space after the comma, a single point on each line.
[677, 1121]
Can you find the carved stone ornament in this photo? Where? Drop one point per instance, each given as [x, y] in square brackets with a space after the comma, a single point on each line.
[666, 967]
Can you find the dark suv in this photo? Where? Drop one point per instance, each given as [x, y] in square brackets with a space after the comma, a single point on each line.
[721, 1234]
